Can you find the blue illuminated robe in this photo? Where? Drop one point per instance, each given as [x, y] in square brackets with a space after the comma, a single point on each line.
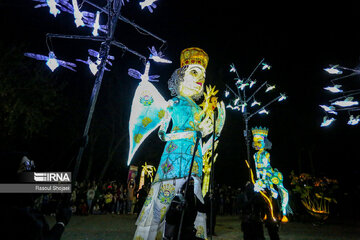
[176, 158]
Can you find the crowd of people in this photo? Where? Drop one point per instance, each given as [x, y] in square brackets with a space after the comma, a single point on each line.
[114, 197]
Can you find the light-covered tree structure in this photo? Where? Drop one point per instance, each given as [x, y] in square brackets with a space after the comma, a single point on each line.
[102, 22]
[344, 99]
[244, 98]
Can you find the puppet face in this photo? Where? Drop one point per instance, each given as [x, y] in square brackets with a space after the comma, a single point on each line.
[194, 79]
[259, 142]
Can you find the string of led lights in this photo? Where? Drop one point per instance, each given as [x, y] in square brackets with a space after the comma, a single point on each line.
[103, 33]
[344, 102]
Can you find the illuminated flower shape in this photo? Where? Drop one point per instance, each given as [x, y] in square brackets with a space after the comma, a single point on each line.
[138, 137]
[166, 193]
[161, 114]
[146, 100]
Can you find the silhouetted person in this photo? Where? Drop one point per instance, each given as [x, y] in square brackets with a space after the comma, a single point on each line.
[20, 220]
[253, 210]
[190, 207]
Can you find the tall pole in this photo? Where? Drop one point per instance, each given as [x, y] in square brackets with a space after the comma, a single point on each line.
[212, 177]
[104, 53]
[247, 139]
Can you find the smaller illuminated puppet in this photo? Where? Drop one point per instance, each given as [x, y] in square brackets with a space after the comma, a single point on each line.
[266, 175]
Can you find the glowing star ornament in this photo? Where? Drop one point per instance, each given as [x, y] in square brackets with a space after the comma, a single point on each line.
[265, 66]
[96, 25]
[269, 87]
[334, 89]
[282, 97]
[150, 4]
[348, 102]
[51, 61]
[329, 109]
[326, 121]
[77, 14]
[354, 121]
[158, 56]
[333, 70]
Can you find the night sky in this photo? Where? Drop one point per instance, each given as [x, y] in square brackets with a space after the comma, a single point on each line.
[298, 39]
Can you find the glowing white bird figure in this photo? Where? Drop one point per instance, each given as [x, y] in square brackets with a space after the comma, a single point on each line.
[328, 109]
[243, 107]
[348, 102]
[269, 87]
[255, 103]
[52, 62]
[243, 85]
[227, 93]
[334, 89]
[77, 14]
[236, 101]
[333, 70]
[96, 24]
[326, 122]
[354, 121]
[232, 68]
[282, 97]
[238, 82]
[252, 83]
[157, 56]
[145, 76]
[265, 66]
[52, 6]
[263, 111]
[150, 4]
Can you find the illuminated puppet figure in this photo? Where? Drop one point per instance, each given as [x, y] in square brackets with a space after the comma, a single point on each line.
[266, 175]
[189, 120]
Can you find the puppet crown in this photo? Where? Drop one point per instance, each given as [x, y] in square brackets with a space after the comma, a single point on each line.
[263, 131]
[194, 55]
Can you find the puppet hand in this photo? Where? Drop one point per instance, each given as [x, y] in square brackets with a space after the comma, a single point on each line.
[206, 126]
